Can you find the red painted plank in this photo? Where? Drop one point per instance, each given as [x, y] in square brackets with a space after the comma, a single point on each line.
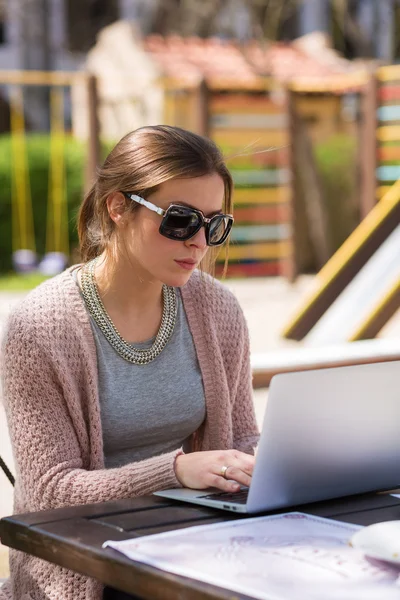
[256, 157]
[389, 92]
[262, 214]
[389, 153]
[259, 269]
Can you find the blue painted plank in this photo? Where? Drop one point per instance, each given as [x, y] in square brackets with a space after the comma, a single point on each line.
[388, 173]
[389, 113]
[260, 233]
[249, 121]
[260, 177]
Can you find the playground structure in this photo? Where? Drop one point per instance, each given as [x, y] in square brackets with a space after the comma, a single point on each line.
[245, 97]
[358, 290]
[248, 99]
[57, 236]
[258, 159]
[253, 123]
[22, 218]
[252, 129]
[250, 124]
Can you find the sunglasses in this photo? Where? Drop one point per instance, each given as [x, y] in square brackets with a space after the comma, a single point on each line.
[182, 222]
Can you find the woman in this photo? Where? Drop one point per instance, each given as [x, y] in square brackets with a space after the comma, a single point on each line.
[130, 373]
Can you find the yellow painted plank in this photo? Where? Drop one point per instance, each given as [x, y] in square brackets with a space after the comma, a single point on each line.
[335, 83]
[382, 190]
[338, 261]
[388, 298]
[245, 108]
[390, 133]
[41, 77]
[254, 120]
[389, 73]
[262, 250]
[245, 196]
[244, 104]
[249, 137]
[177, 84]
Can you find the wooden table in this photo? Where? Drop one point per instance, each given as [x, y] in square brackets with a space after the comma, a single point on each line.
[72, 538]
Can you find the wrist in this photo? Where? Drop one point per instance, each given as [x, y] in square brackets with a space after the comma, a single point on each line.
[177, 460]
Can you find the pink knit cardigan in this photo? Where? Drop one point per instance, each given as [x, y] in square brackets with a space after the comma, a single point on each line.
[49, 375]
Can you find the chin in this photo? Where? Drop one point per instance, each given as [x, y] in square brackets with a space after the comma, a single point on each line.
[176, 279]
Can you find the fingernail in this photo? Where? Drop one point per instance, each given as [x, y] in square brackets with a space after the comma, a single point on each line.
[235, 487]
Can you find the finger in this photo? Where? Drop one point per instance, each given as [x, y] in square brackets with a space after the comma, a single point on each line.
[237, 474]
[248, 459]
[221, 483]
[218, 480]
[247, 468]
[245, 462]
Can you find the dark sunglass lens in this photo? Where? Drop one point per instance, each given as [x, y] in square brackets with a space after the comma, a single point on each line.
[219, 227]
[180, 223]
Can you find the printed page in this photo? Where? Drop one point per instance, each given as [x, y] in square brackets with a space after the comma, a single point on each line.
[284, 557]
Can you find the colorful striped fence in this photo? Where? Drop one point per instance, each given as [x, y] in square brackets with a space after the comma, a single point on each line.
[388, 128]
[252, 130]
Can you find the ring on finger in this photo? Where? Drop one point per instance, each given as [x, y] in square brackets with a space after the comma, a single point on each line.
[223, 471]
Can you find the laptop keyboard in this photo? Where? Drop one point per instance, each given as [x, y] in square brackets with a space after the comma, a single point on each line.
[237, 497]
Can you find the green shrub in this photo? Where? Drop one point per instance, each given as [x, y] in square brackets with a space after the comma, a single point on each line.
[336, 160]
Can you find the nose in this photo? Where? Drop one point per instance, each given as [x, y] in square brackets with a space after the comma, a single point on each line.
[198, 240]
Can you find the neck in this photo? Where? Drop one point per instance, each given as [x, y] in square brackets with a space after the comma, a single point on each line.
[123, 287]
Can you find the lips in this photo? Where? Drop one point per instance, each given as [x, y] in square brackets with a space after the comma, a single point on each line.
[186, 263]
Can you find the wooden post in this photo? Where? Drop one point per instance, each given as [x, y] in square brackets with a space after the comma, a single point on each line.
[310, 190]
[93, 157]
[202, 110]
[290, 265]
[367, 140]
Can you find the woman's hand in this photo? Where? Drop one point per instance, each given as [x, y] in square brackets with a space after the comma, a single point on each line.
[201, 470]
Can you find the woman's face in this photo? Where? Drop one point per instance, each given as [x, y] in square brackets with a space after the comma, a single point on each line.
[158, 258]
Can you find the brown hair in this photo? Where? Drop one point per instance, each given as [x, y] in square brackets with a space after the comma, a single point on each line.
[140, 162]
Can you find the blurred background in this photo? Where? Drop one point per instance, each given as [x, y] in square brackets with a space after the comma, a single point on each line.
[285, 87]
[302, 96]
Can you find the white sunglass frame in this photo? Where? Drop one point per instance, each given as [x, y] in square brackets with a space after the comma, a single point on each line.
[206, 221]
[147, 204]
[162, 212]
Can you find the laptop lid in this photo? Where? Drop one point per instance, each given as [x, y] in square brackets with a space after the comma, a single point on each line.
[328, 433]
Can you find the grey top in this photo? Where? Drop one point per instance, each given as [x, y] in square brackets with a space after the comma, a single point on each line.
[147, 410]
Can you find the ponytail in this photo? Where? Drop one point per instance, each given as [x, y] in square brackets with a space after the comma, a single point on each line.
[88, 227]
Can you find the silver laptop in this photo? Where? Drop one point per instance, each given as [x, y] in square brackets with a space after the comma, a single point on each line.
[327, 433]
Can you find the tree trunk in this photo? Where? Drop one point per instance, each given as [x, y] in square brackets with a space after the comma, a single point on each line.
[311, 191]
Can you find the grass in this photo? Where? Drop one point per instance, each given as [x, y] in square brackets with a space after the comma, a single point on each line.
[14, 282]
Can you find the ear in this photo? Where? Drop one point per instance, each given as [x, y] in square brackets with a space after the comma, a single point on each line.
[116, 206]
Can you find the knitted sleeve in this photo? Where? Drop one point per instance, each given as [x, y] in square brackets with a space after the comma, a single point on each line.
[244, 424]
[51, 460]
[233, 336]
